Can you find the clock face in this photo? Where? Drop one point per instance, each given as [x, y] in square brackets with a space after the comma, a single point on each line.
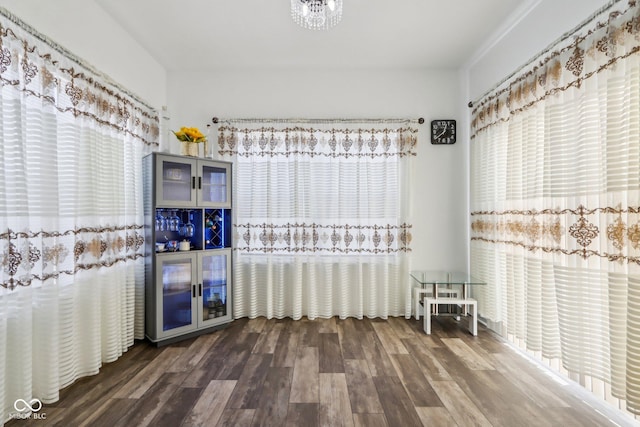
[443, 132]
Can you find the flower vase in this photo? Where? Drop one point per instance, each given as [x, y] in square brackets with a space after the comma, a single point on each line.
[194, 149]
[190, 149]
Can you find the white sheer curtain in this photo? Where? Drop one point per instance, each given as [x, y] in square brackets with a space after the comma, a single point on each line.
[71, 266]
[320, 224]
[555, 220]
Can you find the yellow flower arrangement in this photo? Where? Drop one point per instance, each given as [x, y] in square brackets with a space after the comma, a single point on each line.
[190, 135]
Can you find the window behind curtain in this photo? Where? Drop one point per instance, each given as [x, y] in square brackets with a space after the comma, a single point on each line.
[319, 196]
[556, 206]
[71, 218]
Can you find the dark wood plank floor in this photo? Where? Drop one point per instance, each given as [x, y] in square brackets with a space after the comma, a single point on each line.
[326, 372]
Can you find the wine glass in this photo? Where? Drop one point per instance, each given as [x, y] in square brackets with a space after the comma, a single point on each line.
[173, 221]
[161, 221]
[189, 228]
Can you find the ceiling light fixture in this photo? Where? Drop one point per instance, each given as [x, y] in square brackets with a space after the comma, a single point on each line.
[316, 14]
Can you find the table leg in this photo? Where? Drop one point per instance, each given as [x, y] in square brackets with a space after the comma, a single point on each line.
[473, 320]
[427, 316]
[464, 296]
[435, 295]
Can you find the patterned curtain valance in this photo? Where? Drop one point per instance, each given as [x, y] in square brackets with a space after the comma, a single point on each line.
[39, 256]
[601, 44]
[317, 141]
[564, 231]
[36, 67]
[295, 238]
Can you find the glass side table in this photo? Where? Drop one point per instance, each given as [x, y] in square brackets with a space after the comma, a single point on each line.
[439, 283]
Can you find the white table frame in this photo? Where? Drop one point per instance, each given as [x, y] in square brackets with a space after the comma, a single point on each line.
[471, 303]
[436, 289]
[417, 292]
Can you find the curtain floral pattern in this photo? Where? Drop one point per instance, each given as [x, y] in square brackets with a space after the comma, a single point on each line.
[300, 142]
[71, 220]
[320, 224]
[29, 256]
[342, 142]
[555, 196]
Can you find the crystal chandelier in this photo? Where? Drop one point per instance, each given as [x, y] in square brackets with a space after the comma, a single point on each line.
[316, 14]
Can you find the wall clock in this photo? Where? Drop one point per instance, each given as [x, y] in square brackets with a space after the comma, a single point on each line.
[443, 131]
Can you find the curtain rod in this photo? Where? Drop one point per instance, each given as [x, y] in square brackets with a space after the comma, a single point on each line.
[546, 50]
[217, 120]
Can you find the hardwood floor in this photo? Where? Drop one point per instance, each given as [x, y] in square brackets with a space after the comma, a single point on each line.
[327, 372]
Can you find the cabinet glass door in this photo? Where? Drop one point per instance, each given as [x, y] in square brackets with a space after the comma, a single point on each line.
[216, 302]
[216, 186]
[177, 292]
[176, 186]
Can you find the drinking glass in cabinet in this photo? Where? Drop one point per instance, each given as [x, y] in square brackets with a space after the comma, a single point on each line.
[189, 229]
[173, 220]
[161, 221]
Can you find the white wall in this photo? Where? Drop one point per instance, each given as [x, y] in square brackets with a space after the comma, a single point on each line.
[87, 31]
[439, 177]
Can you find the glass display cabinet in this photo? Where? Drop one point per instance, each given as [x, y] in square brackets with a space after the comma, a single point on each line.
[187, 207]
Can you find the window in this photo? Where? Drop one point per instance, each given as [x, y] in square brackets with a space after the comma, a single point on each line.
[312, 195]
[555, 205]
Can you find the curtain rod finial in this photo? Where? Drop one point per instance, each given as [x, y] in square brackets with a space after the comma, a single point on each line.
[215, 120]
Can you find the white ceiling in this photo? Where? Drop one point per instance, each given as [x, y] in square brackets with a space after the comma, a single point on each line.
[200, 35]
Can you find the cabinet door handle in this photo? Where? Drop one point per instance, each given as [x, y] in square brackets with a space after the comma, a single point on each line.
[199, 183]
[194, 291]
[193, 182]
[200, 287]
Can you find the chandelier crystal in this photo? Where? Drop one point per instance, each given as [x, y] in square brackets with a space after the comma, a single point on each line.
[316, 14]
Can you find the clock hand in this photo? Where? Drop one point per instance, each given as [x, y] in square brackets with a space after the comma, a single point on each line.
[441, 133]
